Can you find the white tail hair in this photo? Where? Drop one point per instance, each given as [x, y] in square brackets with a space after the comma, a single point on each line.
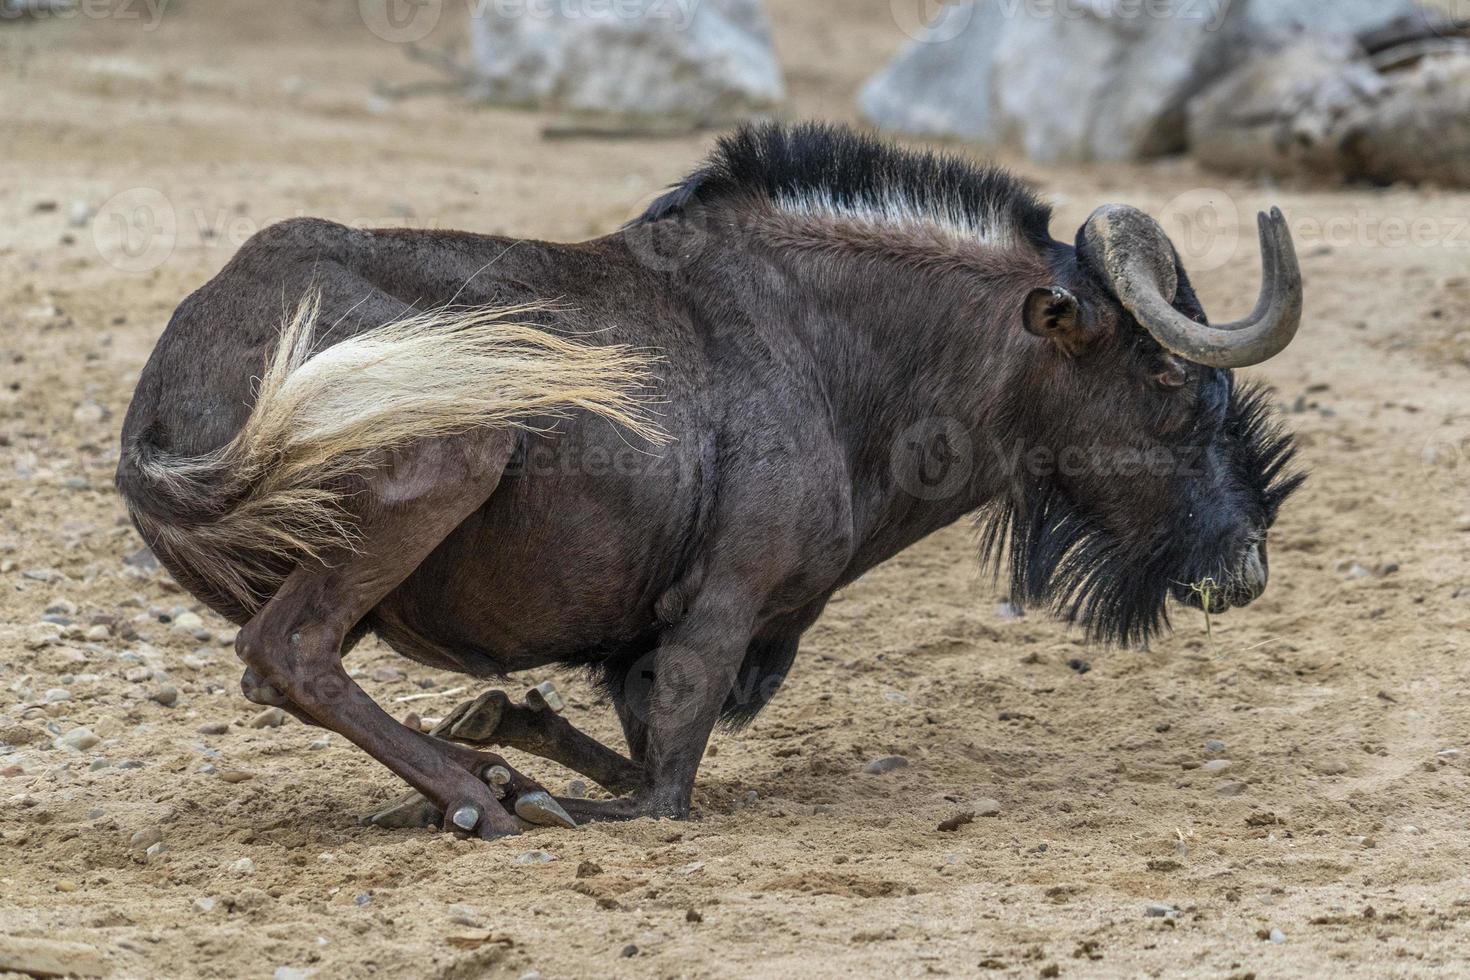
[275, 495]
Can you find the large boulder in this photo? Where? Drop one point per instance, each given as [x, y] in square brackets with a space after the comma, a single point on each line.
[1109, 83]
[1322, 17]
[940, 84]
[1323, 108]
[708, 62]
[1078, 80]
[1283, 113]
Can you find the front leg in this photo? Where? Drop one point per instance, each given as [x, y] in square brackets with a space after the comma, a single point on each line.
[692, 672]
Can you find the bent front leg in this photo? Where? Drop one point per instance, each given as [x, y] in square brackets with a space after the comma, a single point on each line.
[536, 726]
[676, 698]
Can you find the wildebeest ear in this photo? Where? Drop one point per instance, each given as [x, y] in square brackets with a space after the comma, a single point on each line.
[1054, 314]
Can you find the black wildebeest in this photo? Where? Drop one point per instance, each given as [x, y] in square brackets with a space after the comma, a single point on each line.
[845, 346]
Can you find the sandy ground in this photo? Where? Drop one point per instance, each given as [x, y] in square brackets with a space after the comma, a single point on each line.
[1340, 820]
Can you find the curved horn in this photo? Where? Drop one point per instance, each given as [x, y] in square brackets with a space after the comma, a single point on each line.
[1138, 260]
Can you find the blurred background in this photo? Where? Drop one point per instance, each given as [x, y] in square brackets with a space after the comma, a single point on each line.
[1296, 774]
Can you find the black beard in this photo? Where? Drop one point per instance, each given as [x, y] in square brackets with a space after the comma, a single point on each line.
[1062, 557]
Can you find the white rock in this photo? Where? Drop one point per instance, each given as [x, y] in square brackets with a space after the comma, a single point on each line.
[989, 70]
[712, 60]
[244, 866]
[940, 83]
[79, 739]
[188, 622]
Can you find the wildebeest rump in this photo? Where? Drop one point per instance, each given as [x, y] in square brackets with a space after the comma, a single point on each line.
[657, 455]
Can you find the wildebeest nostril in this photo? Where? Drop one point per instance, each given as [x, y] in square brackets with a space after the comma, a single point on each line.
[1250, 579]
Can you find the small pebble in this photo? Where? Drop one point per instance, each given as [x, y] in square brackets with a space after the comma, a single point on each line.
[145, 838]
[886, 764]
[1277, 936]
[1231, 789]
[214, 728]
[534, 857]
[66, 885]
[99, 763]
[166, 695]
[1160, 910]
[986, 807]
[317, 744]
[465, 915]
[57, 694]
[80, 739]
[386, 675]
[629, 951]
[1216, 765]
[235, 775]
[187, 622]
[204, 905]
[577, 789]
[244, 866]
[1214, 746]
[269, 718]
[1409, 828]
[1462, 523]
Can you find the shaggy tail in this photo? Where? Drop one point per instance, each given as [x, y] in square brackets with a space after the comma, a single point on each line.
[235, 521]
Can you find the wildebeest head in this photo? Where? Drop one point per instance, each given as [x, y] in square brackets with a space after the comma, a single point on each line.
[1159, 473]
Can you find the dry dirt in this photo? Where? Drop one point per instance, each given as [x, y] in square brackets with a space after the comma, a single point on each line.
[1341, 820]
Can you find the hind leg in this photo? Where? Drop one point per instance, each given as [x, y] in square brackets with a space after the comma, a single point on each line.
[294, 643]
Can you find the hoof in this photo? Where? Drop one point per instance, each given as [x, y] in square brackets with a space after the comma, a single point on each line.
[474, 722]
[538, 807]
[413, 810]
